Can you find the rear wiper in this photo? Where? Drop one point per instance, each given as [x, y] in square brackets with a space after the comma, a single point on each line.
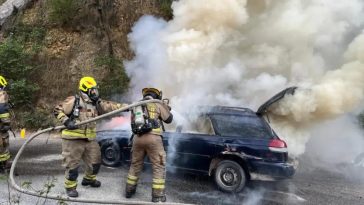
[269, 123]
[268, 117]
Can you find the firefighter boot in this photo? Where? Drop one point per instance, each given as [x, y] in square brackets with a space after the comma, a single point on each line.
[72, 192]
[92, 183]
[2, 167]
[158, 195]
[130, 190]
[7, 165]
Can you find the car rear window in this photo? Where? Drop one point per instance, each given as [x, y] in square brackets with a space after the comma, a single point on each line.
[241, 126]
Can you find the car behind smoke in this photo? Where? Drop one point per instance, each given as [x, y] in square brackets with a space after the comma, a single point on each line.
[227, 143]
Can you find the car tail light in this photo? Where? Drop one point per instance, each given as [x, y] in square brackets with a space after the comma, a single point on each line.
[277, 145]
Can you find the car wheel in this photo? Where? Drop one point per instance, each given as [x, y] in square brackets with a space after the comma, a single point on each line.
[110, 154]
[230, 176]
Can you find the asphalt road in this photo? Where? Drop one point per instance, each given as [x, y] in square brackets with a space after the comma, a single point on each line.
[41, 162]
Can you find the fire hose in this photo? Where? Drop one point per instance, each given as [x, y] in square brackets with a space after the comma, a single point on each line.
[57, 197]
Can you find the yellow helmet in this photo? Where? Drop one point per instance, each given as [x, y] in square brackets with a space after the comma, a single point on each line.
[87, 83]
[154, 92]
[3, 82]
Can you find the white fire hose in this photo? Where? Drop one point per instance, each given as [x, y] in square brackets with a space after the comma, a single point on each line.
[57, 197]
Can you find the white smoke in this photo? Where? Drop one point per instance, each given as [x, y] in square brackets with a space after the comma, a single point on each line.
[241, 53]
[254, 197]
[345, 141]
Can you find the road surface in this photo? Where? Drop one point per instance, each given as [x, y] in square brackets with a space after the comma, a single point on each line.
[41, 162]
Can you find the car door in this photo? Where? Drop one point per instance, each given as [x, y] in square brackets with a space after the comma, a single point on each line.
[192, 149]
[264, 107]
[245, 134]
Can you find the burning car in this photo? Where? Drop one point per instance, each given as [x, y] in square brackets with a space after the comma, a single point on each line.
[227, 143]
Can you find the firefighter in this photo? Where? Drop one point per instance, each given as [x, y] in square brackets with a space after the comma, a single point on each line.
[148, 141]
[4, 127]
[78, 142]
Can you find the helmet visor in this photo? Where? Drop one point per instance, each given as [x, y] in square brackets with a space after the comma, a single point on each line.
[93, 93]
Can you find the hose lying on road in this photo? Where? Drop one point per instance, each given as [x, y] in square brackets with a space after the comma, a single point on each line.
[58, 197]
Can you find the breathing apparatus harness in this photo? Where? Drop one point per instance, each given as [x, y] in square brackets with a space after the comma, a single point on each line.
[141, 122]
[75, 113]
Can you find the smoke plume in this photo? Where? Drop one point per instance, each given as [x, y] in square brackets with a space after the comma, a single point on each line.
[242, 52]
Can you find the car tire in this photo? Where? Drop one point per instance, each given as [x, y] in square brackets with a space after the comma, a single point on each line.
[110, 154]
[230, 176]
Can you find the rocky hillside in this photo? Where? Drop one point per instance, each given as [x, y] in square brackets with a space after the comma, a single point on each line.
[47, 46]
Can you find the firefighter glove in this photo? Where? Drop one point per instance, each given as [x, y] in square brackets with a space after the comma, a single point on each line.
[70, 124]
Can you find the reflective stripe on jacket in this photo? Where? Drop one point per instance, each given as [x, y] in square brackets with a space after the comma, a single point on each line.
[5, 156]
[5, 115]
[88, 110]
[78, 133]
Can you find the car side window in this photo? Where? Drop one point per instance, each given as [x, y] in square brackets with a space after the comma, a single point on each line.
[241, 126]
[200, 125]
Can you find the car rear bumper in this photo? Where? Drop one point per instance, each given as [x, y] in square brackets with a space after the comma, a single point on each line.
[274, 169]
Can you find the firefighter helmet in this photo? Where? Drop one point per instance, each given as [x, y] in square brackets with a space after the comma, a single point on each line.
[88, 85]
[153, 92]
[3, 82]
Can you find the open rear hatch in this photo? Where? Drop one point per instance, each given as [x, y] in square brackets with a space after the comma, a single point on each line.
[263, 108]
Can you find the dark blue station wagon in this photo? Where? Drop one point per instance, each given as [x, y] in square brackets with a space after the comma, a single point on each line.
[228, 143]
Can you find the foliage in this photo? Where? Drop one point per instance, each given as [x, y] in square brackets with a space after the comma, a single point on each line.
[28, 35]
[22, 92]
[63, 11]
[17, 55]
[17, 68]
[14, 61]
[166, 8]
[116, 81]
[36, 119]
[3, 177]
[44, 191]
[61, 202]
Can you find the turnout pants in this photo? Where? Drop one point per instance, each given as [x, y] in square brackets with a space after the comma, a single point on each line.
[4, 146]
[75, 150]
[152, 146]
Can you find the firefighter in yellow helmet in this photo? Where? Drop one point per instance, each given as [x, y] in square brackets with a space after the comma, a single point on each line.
[146, 123]
[4, 126]
[78, 142]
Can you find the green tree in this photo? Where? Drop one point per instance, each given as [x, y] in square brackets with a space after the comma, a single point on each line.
[16, 67]
[116, 81]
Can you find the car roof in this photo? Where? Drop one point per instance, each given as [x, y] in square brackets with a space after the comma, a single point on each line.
[226, 110]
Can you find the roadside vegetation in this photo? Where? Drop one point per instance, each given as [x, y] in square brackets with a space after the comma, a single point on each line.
[18, 57]
[116, 80]
[166, 8]
[62, 12]
[41, 44]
